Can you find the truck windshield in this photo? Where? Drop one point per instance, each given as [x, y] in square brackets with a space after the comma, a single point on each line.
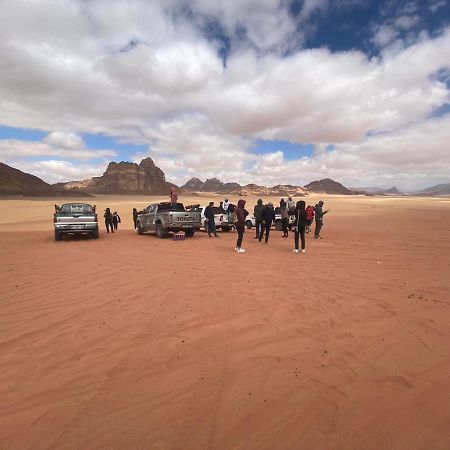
[174, 207]
[76, 208]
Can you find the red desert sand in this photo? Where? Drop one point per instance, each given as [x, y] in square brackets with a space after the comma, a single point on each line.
[133, 342]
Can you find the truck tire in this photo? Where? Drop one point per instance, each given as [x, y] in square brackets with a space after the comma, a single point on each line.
[189, 233]
[249, 224]
[140, 230]
[95, 234]
[160, 232]
[58, 235]
[278, 225]
[226, 228]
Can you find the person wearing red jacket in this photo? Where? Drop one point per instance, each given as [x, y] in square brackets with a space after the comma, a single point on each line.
[309, 217]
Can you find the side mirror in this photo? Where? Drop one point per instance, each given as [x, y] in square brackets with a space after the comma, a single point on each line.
[94, 207]
[57, 208]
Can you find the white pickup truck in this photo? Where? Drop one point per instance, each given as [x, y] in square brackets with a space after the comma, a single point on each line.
[250, 220]
[220, 218]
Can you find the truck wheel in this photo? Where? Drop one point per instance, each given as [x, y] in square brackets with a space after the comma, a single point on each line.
[189, 233]
[140, 230]
[278, 225]
[160, 232]
[249, 224]
[95, 234]
[226, 229]
[58, 235]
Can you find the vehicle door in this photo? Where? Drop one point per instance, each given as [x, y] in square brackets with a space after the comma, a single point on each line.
[218, 216]
[150, 224]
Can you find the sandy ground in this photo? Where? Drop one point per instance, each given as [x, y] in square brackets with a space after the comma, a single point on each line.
[132, 342]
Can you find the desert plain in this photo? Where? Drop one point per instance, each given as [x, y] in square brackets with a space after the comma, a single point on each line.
[133, 342]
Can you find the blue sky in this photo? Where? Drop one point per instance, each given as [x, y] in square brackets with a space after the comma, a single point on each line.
[264, 91]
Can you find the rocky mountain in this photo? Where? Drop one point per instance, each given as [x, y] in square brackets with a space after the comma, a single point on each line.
[209, 185]
[16, 182]
[193, 185]
[328, 186]
[124, 178]
[437, 191]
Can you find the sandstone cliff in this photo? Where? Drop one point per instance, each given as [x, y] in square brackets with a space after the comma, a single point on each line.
[125, 178]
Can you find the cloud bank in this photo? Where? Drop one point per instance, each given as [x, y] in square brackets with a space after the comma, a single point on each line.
[199, 82]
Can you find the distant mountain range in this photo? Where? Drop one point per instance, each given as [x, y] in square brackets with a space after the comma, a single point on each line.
[436, 191]
[147, 178]
[378, 191]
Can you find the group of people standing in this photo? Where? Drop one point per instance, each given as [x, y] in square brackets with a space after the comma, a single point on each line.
[112, 220]
[265, 216]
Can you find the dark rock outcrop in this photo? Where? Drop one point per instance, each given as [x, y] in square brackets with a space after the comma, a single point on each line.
[328, 186]
[125, 178]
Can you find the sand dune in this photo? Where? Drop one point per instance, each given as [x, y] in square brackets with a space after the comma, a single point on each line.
[132, 342]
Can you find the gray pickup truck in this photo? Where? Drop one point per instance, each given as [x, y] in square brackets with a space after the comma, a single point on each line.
[168, 217]
[75, 218]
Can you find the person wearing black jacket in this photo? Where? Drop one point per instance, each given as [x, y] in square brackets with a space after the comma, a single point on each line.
[135, 216]
[268, 217]
[257, 213]
[211, 224]
[108, 220]
[300, 224]
[319, 213]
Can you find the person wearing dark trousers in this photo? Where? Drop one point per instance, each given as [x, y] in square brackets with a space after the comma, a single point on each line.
[209, 215]
[284, 220]
[135, 216]
[268, 217]
[300, 225]
[319, 213]
[257, 213]
[108, 220]
[116, 219]
[241, 214]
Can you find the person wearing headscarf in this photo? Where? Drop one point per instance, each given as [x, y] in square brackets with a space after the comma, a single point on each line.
[241, 214]
[300, 225]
